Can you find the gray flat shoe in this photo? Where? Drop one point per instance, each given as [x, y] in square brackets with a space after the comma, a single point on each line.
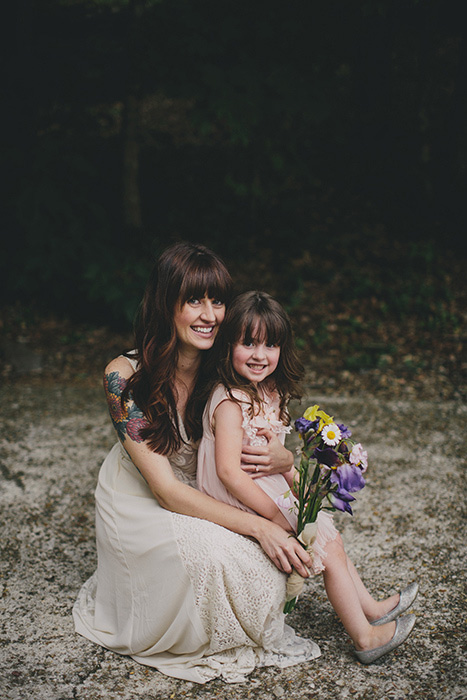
[407, 597]
[404, 626]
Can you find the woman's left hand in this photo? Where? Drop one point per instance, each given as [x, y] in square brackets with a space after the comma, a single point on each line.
[261, 460]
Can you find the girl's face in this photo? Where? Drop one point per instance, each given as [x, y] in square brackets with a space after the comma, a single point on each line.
[255, 361]
[197, 322]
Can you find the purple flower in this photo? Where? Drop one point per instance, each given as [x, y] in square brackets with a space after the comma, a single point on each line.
[348, 477]
[302, 425]
[343, 448]
[328, 456]
[345, 431]
[341, 501]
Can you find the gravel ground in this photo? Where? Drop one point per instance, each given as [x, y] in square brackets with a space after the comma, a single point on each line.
[408, 524]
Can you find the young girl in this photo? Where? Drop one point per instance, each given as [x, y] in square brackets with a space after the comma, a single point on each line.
[259, 372]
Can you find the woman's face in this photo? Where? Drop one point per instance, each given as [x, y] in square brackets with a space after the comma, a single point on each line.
[197, 322]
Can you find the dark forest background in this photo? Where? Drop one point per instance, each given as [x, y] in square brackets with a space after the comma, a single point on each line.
[320, 148]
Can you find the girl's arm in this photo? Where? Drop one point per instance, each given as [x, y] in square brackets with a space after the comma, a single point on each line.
[173, 495]
[227, 423]
[289, 476]
[273, 458]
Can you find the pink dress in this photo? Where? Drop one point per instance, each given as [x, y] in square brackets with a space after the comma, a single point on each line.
[274, 485]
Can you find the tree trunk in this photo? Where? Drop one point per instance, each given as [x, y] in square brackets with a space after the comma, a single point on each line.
[131, 150]
[132, 123]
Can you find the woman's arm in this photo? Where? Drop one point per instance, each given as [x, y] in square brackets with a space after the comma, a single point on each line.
[173, 495]
[227, 422]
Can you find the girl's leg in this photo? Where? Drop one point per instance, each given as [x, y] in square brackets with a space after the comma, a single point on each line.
[373, 609]
[344, 597]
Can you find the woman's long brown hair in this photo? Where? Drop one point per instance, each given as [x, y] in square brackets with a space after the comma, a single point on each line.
[184, 271]
[256, 316]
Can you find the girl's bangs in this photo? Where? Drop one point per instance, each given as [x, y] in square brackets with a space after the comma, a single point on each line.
[268, 328]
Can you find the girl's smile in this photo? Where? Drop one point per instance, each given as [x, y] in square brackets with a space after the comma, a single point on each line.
[255, 361]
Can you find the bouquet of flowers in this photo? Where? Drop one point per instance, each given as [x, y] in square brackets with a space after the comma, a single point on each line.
[331, 470]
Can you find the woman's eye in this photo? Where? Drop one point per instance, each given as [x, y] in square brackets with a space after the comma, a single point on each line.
[217, 302]
[193, 301]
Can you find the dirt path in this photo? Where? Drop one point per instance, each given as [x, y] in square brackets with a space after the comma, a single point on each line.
[408, 524]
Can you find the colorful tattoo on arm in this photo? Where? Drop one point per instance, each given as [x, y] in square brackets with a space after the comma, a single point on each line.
[127, 419]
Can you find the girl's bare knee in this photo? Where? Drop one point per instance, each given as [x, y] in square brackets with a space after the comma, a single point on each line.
[336, 544]
[335, 552]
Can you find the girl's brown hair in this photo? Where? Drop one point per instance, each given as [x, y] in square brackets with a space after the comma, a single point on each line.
[256, 316]
[184, 271]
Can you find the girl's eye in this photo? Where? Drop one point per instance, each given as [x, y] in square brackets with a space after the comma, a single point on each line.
[217, 302]
[193, 301]
[272, 345]
[248, 345]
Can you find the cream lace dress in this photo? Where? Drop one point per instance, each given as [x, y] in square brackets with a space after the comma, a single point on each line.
[184, 595]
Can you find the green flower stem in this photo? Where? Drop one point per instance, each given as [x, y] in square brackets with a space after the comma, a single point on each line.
[289, 606]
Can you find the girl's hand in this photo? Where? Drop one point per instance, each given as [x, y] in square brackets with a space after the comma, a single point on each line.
[261, 460]
[283, 549]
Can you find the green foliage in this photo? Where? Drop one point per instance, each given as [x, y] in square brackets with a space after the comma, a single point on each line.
[118, 285]
[321, 334]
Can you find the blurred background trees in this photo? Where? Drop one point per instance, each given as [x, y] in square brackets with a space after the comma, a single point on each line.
[308, 143]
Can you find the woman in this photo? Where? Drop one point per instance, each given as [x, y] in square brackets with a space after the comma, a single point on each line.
[178, 586]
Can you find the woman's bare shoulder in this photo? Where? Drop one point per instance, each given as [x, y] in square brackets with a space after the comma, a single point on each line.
[121, 365]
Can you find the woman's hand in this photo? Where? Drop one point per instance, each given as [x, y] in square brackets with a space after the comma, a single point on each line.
[283, 549]
[281, 520]
[261, 460]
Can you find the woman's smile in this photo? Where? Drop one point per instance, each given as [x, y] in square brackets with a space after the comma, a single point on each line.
[204, 330]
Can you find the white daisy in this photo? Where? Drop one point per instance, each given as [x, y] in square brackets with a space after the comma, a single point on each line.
[331, 434]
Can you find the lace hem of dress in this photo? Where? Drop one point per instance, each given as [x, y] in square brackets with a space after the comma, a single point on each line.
[239, 596]
[234, 665]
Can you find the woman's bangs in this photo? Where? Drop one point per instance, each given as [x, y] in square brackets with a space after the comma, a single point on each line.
[205, 281]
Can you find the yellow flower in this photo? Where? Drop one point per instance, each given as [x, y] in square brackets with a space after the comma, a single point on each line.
[314, 412]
